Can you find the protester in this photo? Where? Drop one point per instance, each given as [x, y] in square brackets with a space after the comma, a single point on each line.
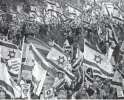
[62, 94]
[111, 94]
[102, 93]
[82, 94]
[90, 91]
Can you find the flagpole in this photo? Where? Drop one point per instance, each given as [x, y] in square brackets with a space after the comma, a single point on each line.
[78, 51]
[83, 70]
[19, 75]
[94, 3]
[116, 41]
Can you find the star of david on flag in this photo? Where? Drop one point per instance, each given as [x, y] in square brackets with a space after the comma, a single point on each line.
[58, 59]
[61, 60]
[9, 50]
[58, 56]
[12, 54]
[98, 59]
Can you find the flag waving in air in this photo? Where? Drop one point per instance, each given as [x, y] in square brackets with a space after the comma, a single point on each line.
[38, 78]
[6, 82]
[24, 56]
[94, 59]
[58, 59]
[11, 56]
[42, 61]
[39, 70]
[41, 46]
[117, 80]
[58, 56]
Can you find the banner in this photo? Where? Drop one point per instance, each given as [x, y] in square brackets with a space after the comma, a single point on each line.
[14, 65]
[25, 93]
[120, 93]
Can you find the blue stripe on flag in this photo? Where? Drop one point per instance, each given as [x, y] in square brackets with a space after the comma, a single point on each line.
[69, 74]
[95, 65]
[98, 72]
[8, 45]
[55, 66]
[117, 18]
[122, 11]
[89, 78]
[61, 84]
[92, 47]
[37, 41]
[43, 65]
[13, 75]
[52, 3]
[116, 83]
[7, 88]
[59, 49]
[27, 67]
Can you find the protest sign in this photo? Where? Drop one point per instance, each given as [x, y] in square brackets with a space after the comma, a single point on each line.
[14, 65]
[25, 93]
[120, 93]
[48, 94]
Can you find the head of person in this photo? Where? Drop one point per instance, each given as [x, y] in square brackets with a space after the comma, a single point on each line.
[111, 90]
[85, 85]
[100, 82]
[62, 94]
[90, 86]
[97, 91]
[83, 90]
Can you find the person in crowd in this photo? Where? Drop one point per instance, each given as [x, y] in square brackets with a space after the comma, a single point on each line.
[111, 93]
[62, 94]
[107, 87]
[97, 94]
[90, 91]
[95, 83]
[82, 94]
[102, 47]
[23, 31]
[102, 93]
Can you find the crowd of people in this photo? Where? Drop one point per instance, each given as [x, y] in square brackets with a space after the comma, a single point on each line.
[95, 34]
[101, 88]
